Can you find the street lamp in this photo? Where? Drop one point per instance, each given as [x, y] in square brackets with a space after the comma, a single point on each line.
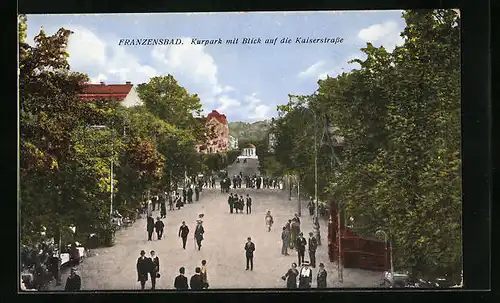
[316, 226]
[340, 265]
[111, 179]
[386, 240]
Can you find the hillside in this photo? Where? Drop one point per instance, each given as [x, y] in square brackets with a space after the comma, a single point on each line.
[244, 131]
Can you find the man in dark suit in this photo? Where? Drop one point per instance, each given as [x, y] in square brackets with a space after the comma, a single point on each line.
[301, 248]
[196, 282]
[249, 249]
[249, 204]
[143, 268]
[183, 233]
[159, 226]
[155, 268]
[184, 196]
[231, 203]
[312, 245]
[190, 195]
[150, 227]
[181, 282]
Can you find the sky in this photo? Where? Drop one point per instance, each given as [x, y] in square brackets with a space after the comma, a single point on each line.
[243, 81]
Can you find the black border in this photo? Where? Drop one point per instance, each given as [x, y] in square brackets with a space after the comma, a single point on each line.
[476, 115]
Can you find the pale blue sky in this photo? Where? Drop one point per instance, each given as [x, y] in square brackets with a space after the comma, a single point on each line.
[245, 82]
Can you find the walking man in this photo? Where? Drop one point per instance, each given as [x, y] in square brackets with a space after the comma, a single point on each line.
[285, 238]
[143, 267]
[181, 282]
[197, 193]
[159, 226]
[312, 245]
[190, 195]
[231, 203]
[249, 204]
[198, 233]
[150, 227]
[74, 282]
[163, 207]
[196, 282]
[301, 248]
[184, 196]
[183, 233]
[249, 249]
[155, 269]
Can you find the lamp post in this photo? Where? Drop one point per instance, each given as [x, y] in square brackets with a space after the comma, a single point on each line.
[386, 240]
[316, 227]
[111, 179]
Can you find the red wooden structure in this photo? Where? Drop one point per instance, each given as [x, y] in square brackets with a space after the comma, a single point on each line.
[356, 252]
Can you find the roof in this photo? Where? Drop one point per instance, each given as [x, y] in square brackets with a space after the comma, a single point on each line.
[250, 146]
[220, 117]
[102, 91]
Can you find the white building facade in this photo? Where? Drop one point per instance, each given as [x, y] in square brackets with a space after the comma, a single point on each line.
[249, 152]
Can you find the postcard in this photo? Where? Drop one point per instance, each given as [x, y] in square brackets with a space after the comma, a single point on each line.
[240, 151]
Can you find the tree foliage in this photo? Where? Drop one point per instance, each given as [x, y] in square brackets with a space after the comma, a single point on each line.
[400, 164]
[66, 160]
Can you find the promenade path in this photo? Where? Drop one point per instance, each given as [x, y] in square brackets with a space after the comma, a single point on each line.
[114, 268]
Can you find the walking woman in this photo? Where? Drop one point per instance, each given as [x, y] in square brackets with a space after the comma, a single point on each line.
[291, 276]
[269, 220]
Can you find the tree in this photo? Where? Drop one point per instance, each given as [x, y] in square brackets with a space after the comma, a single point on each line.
[400, 115]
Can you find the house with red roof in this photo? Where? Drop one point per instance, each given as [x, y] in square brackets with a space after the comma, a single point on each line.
[218, 124]
[126, 93]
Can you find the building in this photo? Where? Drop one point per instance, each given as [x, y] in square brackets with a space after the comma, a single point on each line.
[126, 93]
[233, 143]
[249, 152]
[217, 124]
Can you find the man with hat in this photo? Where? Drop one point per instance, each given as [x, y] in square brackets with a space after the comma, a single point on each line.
[249, 249]
[305, 276]
[300, 245]
[143, 268]
[74, 282]
[198, 233]
[183, 233]
[312, 245]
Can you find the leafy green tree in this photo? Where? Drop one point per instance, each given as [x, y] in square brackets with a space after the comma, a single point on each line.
[400, 168]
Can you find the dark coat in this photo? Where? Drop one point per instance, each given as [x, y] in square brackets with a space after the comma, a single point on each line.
[159, 225]
[143, 268]
[198, 232]
[321, 279]
[291, 278]
[73, 283]
[301, 244]
[190, 192]
[249, 248]
[151, 224]
[312, 244]
[249, 201]
[195, 282]
[181, 282]
[183, 231]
